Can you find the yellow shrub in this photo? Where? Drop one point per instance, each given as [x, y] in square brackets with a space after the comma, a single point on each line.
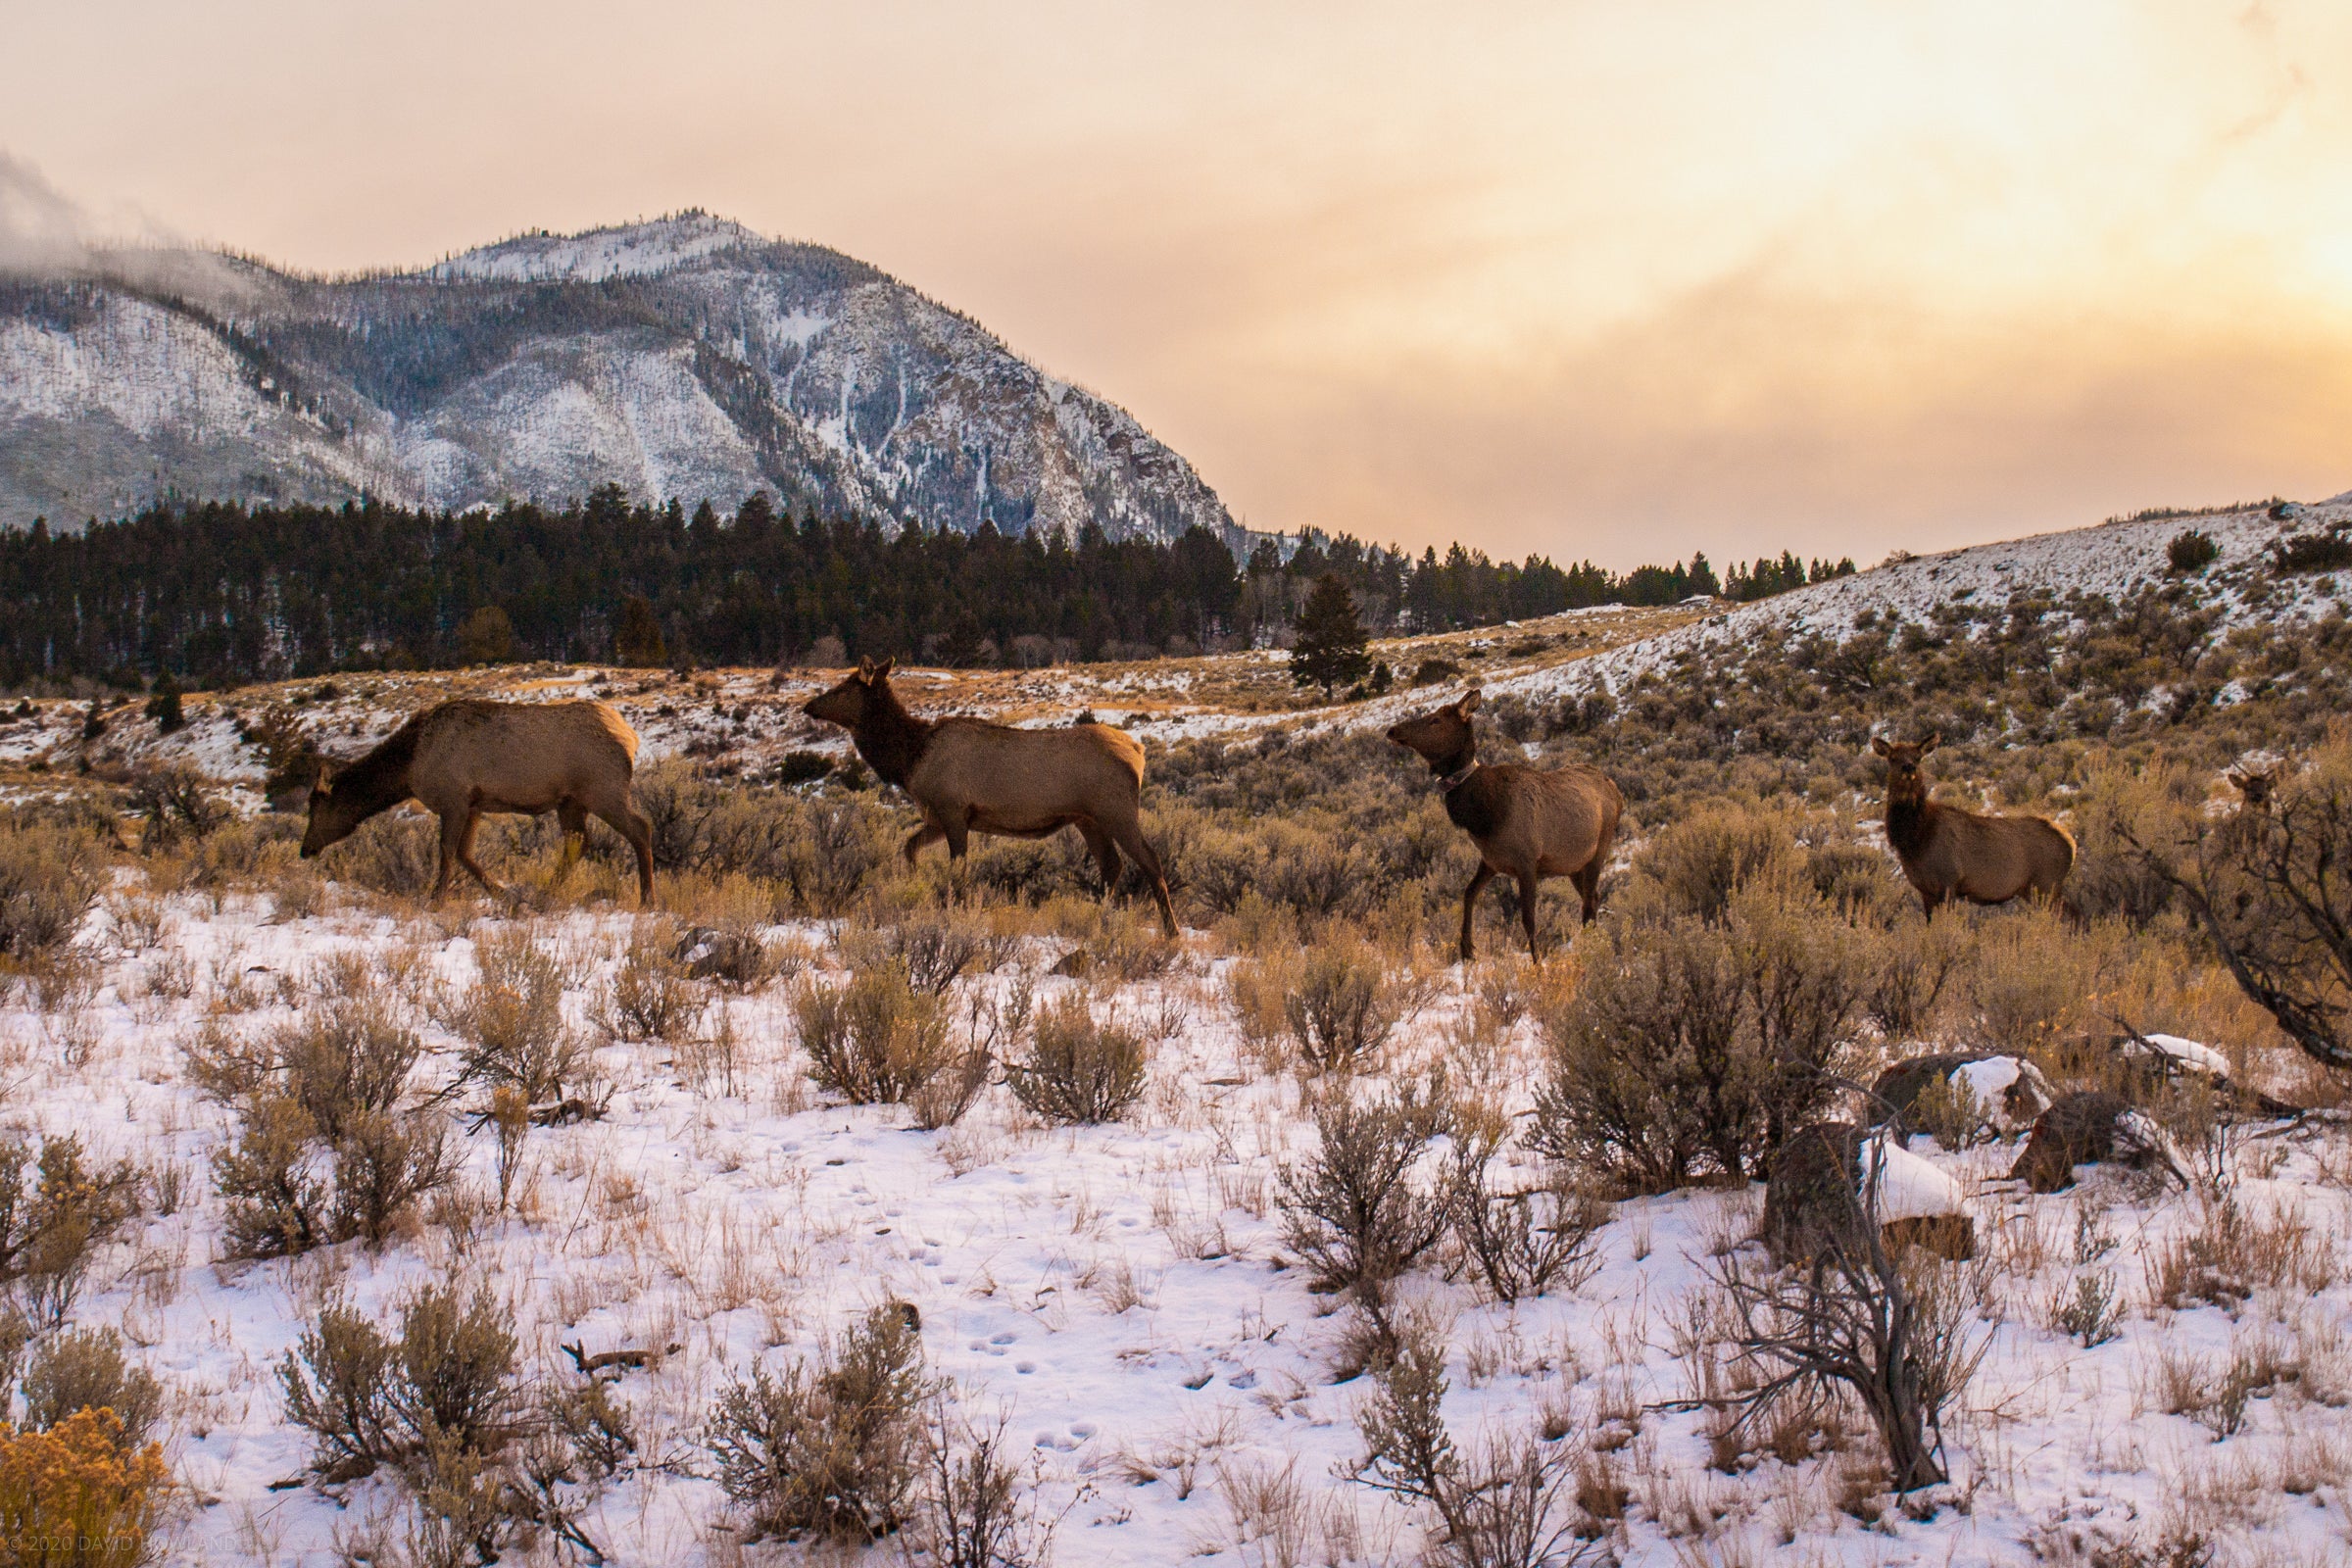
[76, 1496]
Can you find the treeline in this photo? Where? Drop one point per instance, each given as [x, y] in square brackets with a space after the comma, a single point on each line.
[218, 593]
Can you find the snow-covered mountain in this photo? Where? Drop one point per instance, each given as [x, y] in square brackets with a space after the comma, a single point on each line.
[685, 358]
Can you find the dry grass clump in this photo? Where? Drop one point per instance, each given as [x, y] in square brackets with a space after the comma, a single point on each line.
[824, 852]
[2230, 1253]
[80, 1494]
[832, 1448]
[2032, 979]
[874, 1039]
[49, 876]
[1078, 1069]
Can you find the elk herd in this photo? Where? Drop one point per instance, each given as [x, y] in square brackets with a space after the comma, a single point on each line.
[464, 759]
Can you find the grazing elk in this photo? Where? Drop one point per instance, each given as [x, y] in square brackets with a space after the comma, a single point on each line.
[969, 776]
[1528, 822]
[1948, 853]
[464, 759]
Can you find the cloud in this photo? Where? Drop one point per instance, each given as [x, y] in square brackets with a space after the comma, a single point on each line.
[41, 229]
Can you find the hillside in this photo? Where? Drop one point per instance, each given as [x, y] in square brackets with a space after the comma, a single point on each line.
[303, 1104]
[686, 357]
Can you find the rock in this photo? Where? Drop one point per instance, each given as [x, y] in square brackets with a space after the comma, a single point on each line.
[2012, 1090]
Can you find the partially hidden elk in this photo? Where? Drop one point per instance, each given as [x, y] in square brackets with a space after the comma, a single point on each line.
[1528, 822]
[969, 776]
[2093, 1127]
[461, 760]
[1948, 853]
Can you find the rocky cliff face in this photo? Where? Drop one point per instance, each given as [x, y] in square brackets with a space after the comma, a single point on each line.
[687, 358]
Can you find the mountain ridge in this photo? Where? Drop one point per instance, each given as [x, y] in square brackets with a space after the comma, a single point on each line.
[686, 357]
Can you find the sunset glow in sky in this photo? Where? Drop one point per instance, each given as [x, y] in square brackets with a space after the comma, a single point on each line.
[1606, 280]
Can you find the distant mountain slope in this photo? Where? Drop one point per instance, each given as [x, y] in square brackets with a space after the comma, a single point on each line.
[687, 356]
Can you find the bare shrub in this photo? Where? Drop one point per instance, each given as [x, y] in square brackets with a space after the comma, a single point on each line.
[1691, 1046]
[84, 1369]
[935, 950]
[2268, 888]
[49, 876]
[1354, 1210]
[874, 1039]
[52, 1226]
[1341, 1003]
[1527, 1242]
[369, 1398]
[833, 1449]
[976, 1511]
[1909, 972]
[1078, 1068]
[1898, 1337]
[1513, 1503]
[177, 802]
[346, 1059]
[651, 996]
[511, 1021]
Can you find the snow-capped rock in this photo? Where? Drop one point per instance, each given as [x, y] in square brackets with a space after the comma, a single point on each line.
[687, 358]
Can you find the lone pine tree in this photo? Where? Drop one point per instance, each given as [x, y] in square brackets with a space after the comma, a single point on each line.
[1332, 646]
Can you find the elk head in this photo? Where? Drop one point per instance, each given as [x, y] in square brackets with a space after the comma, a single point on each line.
[1442, 734]
[1904, 781]
[331, 820]
[846, 704]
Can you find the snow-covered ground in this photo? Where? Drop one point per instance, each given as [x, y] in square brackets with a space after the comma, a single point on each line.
[1121, 1292]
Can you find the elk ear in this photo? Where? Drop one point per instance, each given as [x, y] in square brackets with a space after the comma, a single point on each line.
[883, 669]
[865, 669]
[1877, 744]
[2237, 779]
[1469, 702]
[1931, 743]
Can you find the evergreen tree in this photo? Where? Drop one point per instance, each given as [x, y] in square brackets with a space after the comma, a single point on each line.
[1332, 649]
[163, 706]
[637, 642]
[487, 637]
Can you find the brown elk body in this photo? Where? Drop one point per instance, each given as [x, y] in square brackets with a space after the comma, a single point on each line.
[1948, 853]
[969, 776]
[461, 759]
[1528, 822]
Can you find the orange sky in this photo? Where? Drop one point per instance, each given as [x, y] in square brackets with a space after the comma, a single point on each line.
[1612, 280]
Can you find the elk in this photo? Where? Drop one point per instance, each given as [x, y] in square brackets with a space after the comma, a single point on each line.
[2255, 787]
[1948, 853]
[462, 758]
[969, 776]
[1528, 822]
